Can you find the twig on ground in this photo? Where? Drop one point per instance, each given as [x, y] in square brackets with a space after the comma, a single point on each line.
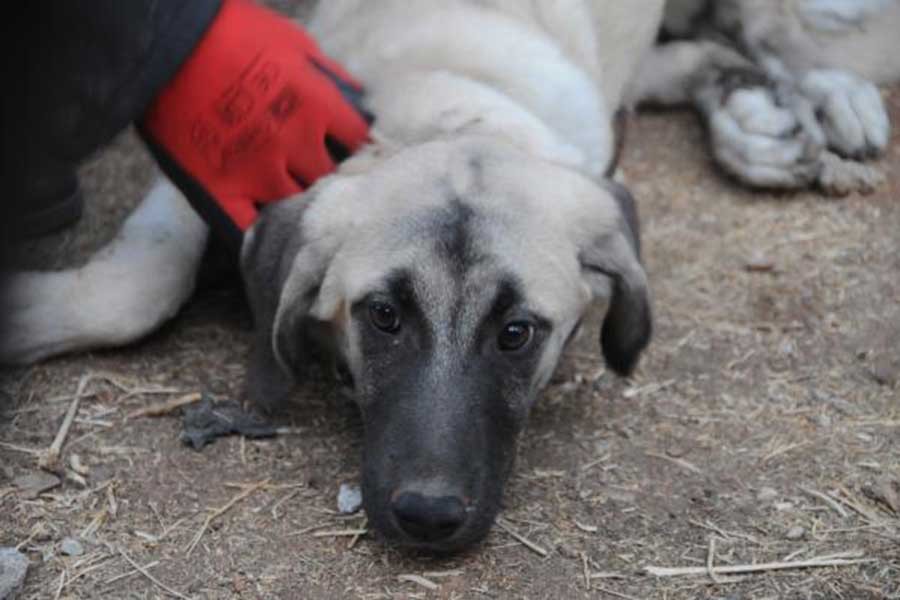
[61, 585]
[844, 497]
[355, 540]
[837, 560]
[783, 450]
[521, 538]
[215, 514]
[710, 559]
[310, 528]
[418, 579]
[121, 576]
[49, 460]
[159, 409]
[678, 461]
[439, 574]
[22, 449]
[586, 571]
[827, 500]
[340, 533]
[284, 499]
[724, 534]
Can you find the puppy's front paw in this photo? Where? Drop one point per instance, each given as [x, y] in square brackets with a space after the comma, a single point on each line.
[761, 139]
[850, 110]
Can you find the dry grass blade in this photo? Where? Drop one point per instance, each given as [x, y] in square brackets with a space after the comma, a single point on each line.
[586, 571]
[49, 460]
[678, 461]
[812, 563]
[133, 571]
[340, 533]
[710, 559]
[164, 408]
[827, 500]
[221, 511]
[356, 538]
[419, 580]
[521, 538]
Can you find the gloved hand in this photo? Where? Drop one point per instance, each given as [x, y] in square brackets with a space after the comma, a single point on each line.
[250, 116]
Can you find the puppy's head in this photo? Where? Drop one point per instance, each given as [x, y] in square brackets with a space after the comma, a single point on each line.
[448, 279]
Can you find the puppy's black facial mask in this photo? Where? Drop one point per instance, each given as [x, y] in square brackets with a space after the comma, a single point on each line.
[441, 414]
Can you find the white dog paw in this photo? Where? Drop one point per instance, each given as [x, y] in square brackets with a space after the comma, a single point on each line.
[763, 141]
[850, 110]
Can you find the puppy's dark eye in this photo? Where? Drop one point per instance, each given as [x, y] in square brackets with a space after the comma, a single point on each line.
[384, 317]
[515, 335]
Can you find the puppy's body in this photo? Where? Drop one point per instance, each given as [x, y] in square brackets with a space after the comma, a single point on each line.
[545, 76]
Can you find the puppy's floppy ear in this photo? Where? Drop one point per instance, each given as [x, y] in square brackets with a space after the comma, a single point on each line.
[614, 254]
[268, 256]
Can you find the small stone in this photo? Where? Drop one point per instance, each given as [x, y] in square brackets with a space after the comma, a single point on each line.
[13, 569]
[795, 533]
[349, 499]
[765, 494]
[71, 547]
[784, 506]
[759, 263]
[567, 551]
[34, 484]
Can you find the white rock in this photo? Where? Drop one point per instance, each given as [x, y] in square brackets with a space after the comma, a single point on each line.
[349, 499]
[71, 547]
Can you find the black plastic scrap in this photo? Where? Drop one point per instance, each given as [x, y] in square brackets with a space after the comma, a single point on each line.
[208, 420]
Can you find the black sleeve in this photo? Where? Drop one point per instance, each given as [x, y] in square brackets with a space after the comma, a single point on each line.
[81, 72]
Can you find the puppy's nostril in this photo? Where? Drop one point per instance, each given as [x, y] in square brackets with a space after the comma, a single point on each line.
[428, 518]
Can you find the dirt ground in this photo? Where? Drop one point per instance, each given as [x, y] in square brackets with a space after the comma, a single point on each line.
[763, 425]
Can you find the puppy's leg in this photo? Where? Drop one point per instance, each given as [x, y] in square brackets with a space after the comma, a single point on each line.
[761, 134]
[127, 289]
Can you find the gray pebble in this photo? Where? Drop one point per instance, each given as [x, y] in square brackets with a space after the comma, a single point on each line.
[13, 568]
[795, 533]
[349, 499]
[34, 484]
[71, 547]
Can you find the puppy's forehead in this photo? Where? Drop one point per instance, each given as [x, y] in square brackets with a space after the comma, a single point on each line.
[460, 216]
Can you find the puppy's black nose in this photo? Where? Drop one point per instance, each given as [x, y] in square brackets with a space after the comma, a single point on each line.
[428, 518]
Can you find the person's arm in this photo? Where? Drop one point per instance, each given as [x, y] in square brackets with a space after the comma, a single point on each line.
[236, 102]
[79, 73]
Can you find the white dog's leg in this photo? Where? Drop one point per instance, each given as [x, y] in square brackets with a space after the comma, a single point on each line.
[127, 289]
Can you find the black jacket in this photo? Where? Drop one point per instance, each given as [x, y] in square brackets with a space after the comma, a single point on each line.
[79, 72]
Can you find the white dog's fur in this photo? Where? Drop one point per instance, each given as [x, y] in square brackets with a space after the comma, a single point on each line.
[545, 76]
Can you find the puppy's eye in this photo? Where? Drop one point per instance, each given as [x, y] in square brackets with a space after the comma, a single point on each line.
[384, 317]
[515, 335]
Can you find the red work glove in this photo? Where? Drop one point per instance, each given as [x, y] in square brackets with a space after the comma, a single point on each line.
[250, 116]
